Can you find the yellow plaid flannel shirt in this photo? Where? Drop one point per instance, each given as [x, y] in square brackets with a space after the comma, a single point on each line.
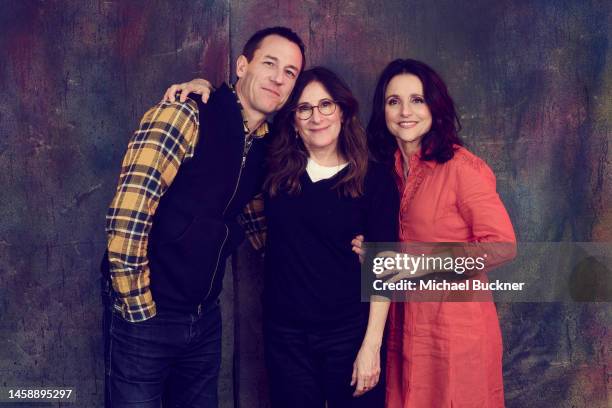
[166, 137]
[253, 221]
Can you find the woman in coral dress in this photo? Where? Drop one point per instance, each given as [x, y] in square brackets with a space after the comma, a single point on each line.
[440, 354]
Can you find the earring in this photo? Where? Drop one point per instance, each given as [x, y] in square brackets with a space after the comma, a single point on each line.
[297, 134]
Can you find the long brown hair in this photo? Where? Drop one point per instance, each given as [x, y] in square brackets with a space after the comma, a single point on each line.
[287, 157]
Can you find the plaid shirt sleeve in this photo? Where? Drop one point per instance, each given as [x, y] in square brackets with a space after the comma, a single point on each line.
[166, 137]
[253, 221]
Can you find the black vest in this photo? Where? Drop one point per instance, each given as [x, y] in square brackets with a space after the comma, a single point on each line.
[194, 227]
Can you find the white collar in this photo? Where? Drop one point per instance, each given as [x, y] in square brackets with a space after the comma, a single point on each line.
[317, 172]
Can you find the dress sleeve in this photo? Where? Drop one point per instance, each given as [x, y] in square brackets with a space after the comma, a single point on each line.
[482, 209]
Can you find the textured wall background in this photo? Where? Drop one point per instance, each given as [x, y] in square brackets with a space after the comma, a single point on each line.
[532, 80]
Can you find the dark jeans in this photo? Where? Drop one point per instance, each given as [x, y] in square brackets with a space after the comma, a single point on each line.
[172, 358]
[309, 366]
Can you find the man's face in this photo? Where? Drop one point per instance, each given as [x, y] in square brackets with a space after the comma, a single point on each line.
[265, 82]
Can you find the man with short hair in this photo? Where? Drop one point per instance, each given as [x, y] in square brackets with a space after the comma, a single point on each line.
[188, 172]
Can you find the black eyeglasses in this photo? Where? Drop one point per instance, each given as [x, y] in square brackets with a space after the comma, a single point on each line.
[326, 107]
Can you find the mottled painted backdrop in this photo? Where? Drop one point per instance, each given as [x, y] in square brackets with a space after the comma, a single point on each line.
[532, 80]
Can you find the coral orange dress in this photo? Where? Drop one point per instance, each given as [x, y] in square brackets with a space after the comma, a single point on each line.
[445, 354]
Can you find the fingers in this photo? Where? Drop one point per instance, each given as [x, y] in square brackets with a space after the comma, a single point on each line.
[186, 89]
[357, 247]
[205, 96]
[365, 384]
[366, 369]
[181, 89]
[354, 375]
[196, 88]
[357, 241]
[170, 92]
[361, 387]
[183, 95]
[200, 87]
[365, 381]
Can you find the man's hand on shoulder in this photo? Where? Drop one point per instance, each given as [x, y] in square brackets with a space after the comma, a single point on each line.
[198, 86]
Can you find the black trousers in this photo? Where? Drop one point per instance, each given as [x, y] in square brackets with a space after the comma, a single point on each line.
[309, 367]
[173, 358]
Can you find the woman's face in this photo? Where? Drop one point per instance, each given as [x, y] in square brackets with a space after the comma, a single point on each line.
[319, 131]
[407, 115]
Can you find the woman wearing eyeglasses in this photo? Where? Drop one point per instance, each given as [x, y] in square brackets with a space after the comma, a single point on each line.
[322, 344]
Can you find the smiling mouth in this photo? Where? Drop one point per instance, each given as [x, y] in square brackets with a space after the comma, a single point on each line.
[272, 92]
[407, 125]
[319, 129]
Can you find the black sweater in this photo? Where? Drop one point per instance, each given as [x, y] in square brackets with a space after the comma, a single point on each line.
[312, 276]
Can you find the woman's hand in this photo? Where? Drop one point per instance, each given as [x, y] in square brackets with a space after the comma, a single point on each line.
[198, 86]
[366, 369]
[397, 274]
[357, 244]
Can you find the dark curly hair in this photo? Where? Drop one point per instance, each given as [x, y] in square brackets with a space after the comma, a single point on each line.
[440, 142]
